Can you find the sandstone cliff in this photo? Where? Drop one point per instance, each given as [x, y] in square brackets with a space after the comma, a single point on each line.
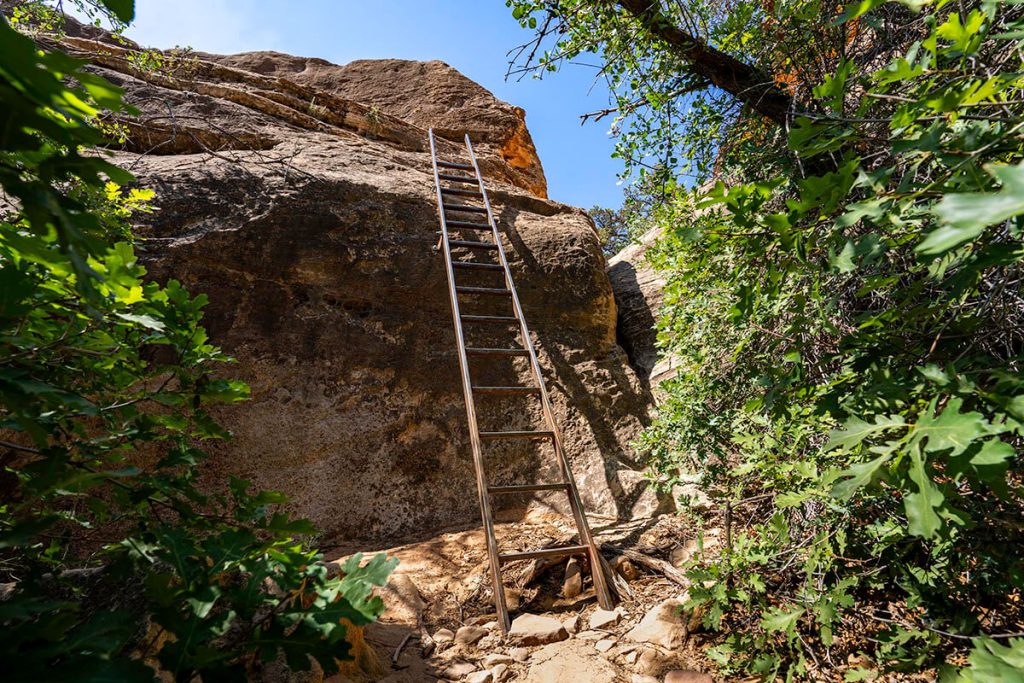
[298, 195]
[638, 288]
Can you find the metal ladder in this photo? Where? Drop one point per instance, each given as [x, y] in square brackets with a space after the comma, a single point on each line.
[567, 484]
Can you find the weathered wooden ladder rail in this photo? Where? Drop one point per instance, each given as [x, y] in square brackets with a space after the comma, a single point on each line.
[453, 173]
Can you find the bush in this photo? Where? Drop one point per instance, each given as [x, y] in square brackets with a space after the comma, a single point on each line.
[845, 304]
[115, 561]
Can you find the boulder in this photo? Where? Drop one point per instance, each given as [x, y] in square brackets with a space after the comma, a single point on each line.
[532, 629]
[298, 196]
[664, 625]
[424, 94]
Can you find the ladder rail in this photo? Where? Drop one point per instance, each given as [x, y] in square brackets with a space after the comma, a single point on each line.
[467, 388]
[575, 503]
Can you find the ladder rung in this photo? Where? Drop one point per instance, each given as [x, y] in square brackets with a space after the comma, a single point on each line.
[452, 164]
[463, 207]
[467, 224]
[547, 552]
[472, 245]
[506, 391]
[489, 291]
[489, 319]
[490, 436]
[473, 265]
[479, 351]
[460, 191]
[457, 178]
[527, 488]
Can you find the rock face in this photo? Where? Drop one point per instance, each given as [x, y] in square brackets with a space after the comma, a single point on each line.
[638, 291]
[299, 196]
[426, 94]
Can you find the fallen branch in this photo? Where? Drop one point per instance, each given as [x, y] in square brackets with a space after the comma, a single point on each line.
[398, 650]
[660, 566]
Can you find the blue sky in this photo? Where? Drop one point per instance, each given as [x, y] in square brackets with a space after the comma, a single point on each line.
[471, 35]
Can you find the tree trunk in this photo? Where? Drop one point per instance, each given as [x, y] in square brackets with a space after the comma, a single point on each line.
[750, 85]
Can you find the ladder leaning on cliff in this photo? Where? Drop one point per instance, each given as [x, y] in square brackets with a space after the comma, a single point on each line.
[567, 484]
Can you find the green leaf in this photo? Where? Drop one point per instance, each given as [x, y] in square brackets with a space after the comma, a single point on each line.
[921, 506]
[857, 476]
[859, 8]
[855, 430]
[147, 321]
[951, 429]
[965, 216]
[122, 9]
[991, 661]
[779, 619]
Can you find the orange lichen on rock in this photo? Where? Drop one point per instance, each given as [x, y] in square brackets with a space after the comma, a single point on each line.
[519, 152]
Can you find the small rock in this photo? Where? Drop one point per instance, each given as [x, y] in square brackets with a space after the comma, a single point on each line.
[591, 635]
[572, 584]
[572, 624]
[493, 660]
[650, 662]
[603, 618]
[491, 626]
[641, 678]
[402, 599]
[469, 635]
[625, 568]
[665, 625]
[604, 645]
[630, 656]
[489, 642]
[687, 676]
[682, 554]
[482, 620]
[443, 635]
[568, 662]
[480, 677]
[531, 629]
[689, 494]
[513, 599]
[501, 673]
[457, 670]
[520, 654]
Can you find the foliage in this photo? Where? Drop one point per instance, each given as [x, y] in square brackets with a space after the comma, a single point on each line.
[616, 228]
[612, 229]
[115, 560]
[845, 307]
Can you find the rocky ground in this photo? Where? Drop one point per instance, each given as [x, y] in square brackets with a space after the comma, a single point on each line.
[440, 624]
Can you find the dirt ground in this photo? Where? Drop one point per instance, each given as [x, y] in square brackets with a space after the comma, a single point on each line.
[442, 585]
